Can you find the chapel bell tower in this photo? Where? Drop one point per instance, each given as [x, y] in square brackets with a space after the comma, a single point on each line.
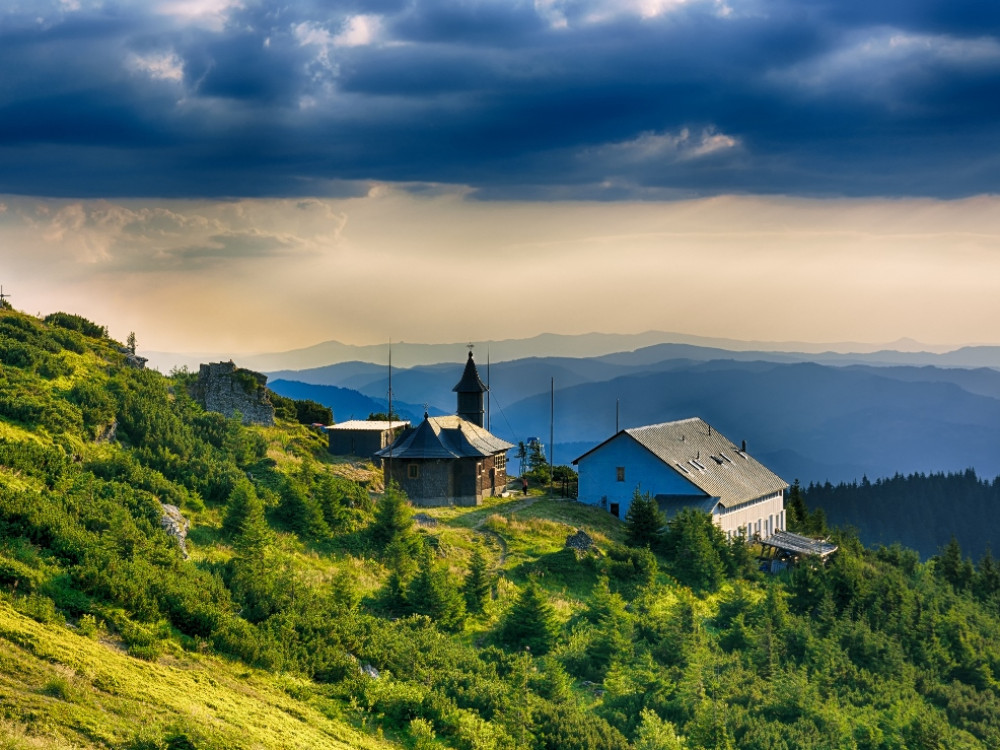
[470, 390]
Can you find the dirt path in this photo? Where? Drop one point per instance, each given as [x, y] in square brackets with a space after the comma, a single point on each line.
[497, 538]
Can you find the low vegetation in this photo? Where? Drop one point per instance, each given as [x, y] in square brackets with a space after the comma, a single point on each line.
[316, 609]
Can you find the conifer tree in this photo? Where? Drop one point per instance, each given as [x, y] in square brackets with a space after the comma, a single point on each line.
[987, 580]
[393, 517]
[950, 565]
[243, 503]
[795, 508]
[692, 543]
[656, 734]
[531, 623]
[433, 592]
[477, 583]
[643, 522]
[302, 512]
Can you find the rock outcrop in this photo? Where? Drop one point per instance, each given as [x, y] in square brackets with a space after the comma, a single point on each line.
[230, 390]
[176, 526]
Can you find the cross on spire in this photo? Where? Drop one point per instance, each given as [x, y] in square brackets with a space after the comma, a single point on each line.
[3, 298]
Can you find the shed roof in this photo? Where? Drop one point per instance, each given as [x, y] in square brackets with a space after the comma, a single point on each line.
[369, 425]
[800, 545]
[707, 459]
[445, 437]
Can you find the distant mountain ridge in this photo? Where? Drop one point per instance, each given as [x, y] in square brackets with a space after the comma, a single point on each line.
[814, 422]
[569, 345]
[348, 404]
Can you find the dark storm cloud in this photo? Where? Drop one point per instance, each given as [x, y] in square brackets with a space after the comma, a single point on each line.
[606, 99]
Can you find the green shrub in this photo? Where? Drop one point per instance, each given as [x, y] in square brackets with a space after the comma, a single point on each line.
[59, 687]
[76, 323]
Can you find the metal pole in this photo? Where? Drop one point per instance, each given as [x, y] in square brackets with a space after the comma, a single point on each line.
[552, 420]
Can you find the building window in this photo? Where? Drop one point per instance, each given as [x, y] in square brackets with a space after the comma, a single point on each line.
[413, 471]
[500, 461]
[614, 509]
[620, 472]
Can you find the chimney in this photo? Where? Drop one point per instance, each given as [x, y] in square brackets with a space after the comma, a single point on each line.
[744, 448]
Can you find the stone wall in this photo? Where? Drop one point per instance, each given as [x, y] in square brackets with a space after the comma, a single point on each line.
[228, 389]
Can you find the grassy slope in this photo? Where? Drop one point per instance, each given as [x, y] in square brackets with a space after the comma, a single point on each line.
[60, 689]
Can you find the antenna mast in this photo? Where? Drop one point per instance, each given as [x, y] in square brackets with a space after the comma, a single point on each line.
[552, 421]
[392, 433]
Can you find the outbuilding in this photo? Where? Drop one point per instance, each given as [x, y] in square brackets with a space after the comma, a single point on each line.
[359, 437]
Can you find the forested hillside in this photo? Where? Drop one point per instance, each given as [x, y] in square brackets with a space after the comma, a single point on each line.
[315, 610]
[922, 511]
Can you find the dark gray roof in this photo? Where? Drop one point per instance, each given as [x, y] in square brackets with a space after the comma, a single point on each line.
[470, 382]
[709, 460]
[445, 437]
[800, 545]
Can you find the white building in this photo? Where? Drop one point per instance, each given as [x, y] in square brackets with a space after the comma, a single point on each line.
[685, 464]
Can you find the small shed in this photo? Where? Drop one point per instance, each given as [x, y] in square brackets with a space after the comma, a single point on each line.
[364, 438]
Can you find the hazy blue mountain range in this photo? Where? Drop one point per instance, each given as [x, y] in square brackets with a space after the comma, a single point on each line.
[904, 351]
[807, 420]
[347, 404]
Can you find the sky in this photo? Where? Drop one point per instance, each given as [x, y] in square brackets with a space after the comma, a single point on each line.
[224, 176]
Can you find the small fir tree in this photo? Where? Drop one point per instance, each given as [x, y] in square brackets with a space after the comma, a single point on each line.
[692, 543]
[643, 522]
[656, 734]
[433, 592]
[531, 623]
[393, 517]
[243, 503]
[477, 583]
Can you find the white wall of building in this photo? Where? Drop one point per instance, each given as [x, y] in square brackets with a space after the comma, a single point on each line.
[758, 518]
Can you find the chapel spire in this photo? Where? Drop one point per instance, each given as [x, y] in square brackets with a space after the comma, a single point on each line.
[470, 390]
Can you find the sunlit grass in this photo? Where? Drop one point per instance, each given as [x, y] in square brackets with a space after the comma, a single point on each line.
[60, 689]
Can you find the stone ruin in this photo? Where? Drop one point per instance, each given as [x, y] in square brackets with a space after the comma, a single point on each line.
[230, 390]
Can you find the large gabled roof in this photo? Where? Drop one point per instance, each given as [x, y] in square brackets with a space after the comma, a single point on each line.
[445, 437]
[707, 459]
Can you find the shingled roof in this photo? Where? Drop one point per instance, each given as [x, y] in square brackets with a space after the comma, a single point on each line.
[707, 459]
[445, 437]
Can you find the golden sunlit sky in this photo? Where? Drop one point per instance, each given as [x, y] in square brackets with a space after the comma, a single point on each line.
[228, 177]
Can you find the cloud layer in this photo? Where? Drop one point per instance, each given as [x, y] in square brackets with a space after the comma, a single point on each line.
[602, 99]
[272, 275]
